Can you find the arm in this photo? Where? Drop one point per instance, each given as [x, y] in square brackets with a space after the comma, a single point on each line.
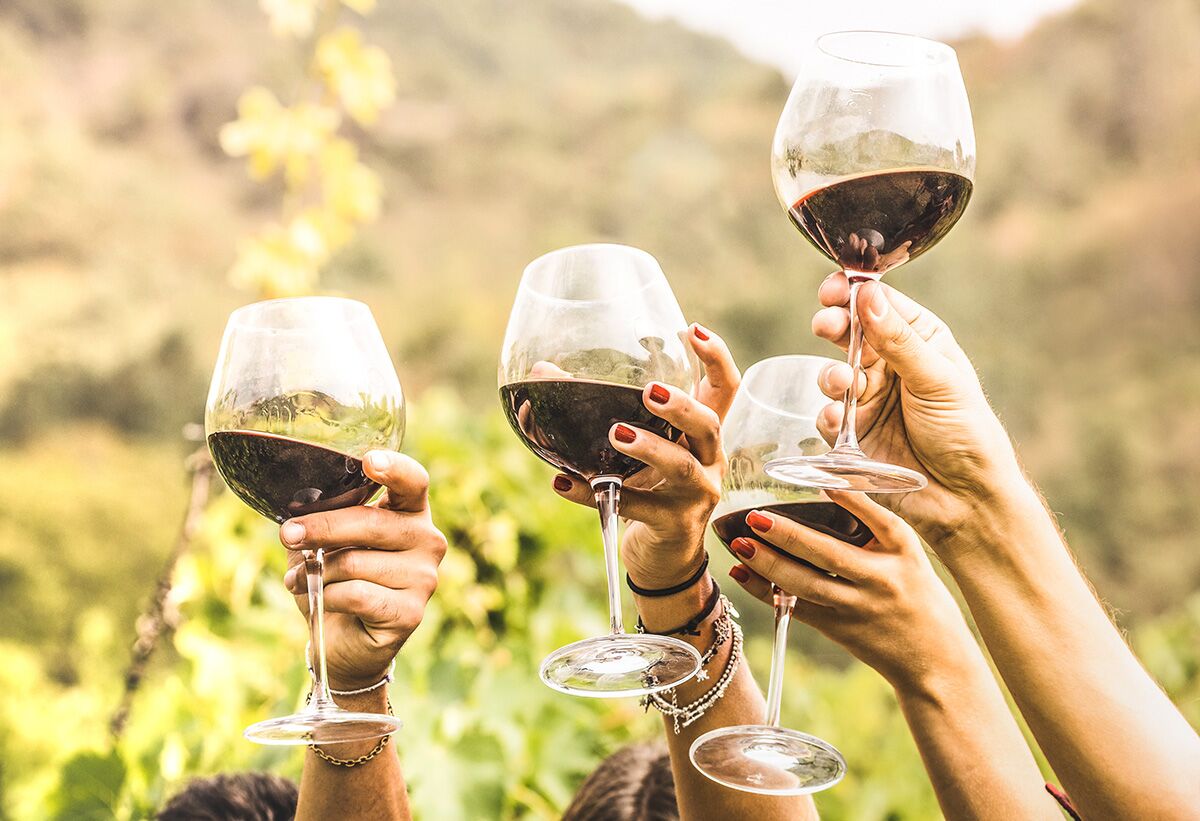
[669, 505]
[377, 583]
[888, 608]
[1120, 747]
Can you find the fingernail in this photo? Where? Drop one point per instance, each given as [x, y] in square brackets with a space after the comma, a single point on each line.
[292, 532]
[379, 460]
[739, 574]
[659, 394]
[562, 484]
[758, 521]
[879, 303]
[700, 333]
[289, 579]
[624, 434]
[743, 547]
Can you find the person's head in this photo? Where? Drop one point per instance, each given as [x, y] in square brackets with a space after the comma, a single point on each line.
[237, 797]
[634, 784]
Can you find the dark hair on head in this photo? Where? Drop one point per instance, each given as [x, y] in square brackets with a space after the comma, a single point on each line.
[633, 784]
[237, 797]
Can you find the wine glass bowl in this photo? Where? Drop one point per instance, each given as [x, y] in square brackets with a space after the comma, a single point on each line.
[301, 390]
[590, 328]
[773, 416]
[874, 161]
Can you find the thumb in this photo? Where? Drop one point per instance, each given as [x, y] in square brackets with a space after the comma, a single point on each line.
[922, 368]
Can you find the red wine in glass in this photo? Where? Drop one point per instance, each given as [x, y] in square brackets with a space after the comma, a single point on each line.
[566, 423]
[281, 477]
[874, 222]
[824, 517]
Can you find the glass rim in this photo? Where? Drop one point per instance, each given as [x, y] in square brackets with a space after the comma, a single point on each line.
[942, 52]
[237, 316]
[763, 363]
[631, 250]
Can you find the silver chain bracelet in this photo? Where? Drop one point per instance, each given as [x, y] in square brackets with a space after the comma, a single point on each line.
[388, 678]
[726, 630]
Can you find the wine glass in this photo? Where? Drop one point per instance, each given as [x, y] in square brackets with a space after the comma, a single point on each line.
[774, 416]
[591, 326]
[302, 389]
[873, 159]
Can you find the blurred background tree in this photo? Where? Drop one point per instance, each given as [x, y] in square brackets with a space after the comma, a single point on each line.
[423, 187]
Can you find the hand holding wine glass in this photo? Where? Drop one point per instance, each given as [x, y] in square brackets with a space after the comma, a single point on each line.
[381, 567]
[920, 405]
[667, 504]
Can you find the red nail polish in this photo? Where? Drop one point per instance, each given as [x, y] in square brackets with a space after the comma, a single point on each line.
[743, 547]
[624, 434]
[739, 574]
[700, 334]
[659, 394]
[758, 522]
[562, 484]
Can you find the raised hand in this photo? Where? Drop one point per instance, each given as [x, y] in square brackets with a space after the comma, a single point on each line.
[920, 405]
[381, 575]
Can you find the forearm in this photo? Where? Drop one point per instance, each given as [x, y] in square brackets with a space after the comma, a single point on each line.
[699, 797]
[1120, 747]
[368, 791]
[972, 748]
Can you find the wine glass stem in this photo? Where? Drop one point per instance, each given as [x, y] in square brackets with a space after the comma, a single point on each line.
[314, 569]
[847, 440]
[608, 497]
[783, 617]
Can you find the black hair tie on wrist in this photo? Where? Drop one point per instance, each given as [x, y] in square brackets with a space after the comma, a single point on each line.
[670, 591]
[692, 628]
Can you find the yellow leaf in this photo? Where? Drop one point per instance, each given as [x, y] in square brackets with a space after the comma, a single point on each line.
[360, 75]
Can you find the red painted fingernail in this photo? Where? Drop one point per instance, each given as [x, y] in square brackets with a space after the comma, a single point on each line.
[739, 574]
[758, 522]
[659, 394]
[624, 434]
[700, 334]
[743, 547]
[562, 484]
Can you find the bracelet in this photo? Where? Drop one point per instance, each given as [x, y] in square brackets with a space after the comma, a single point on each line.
[669, 591]
[388, 678]
[691, 713]
[692, 626]
[354, 762]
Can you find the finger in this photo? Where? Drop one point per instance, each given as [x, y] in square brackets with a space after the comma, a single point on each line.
[673, 461]
[359, 526]
[375, 604]
[752, 583]
[834, 290]
[398, 571]
[721, 375]
[923, 369]
[574, 489]
[835, 377]
[891, 532]
[813, 546]
[798, 579]
[829, 421]
[832, 325]
[406, 480]
[697, 421]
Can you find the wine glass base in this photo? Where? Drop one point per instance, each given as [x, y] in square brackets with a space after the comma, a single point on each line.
[322, 727]
[838, 472]
[767, 760]
[620, 665]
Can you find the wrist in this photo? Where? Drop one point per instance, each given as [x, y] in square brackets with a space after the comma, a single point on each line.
[934, 677]
[660, 575]
[985, 513]
[660, 613]
[361, 679]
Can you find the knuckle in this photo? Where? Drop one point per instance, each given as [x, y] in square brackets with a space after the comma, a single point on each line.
[440, 545]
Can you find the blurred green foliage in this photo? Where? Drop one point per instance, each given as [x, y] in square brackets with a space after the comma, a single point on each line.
[1073, 281]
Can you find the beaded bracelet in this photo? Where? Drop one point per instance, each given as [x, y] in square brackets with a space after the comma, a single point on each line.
[692, 626]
